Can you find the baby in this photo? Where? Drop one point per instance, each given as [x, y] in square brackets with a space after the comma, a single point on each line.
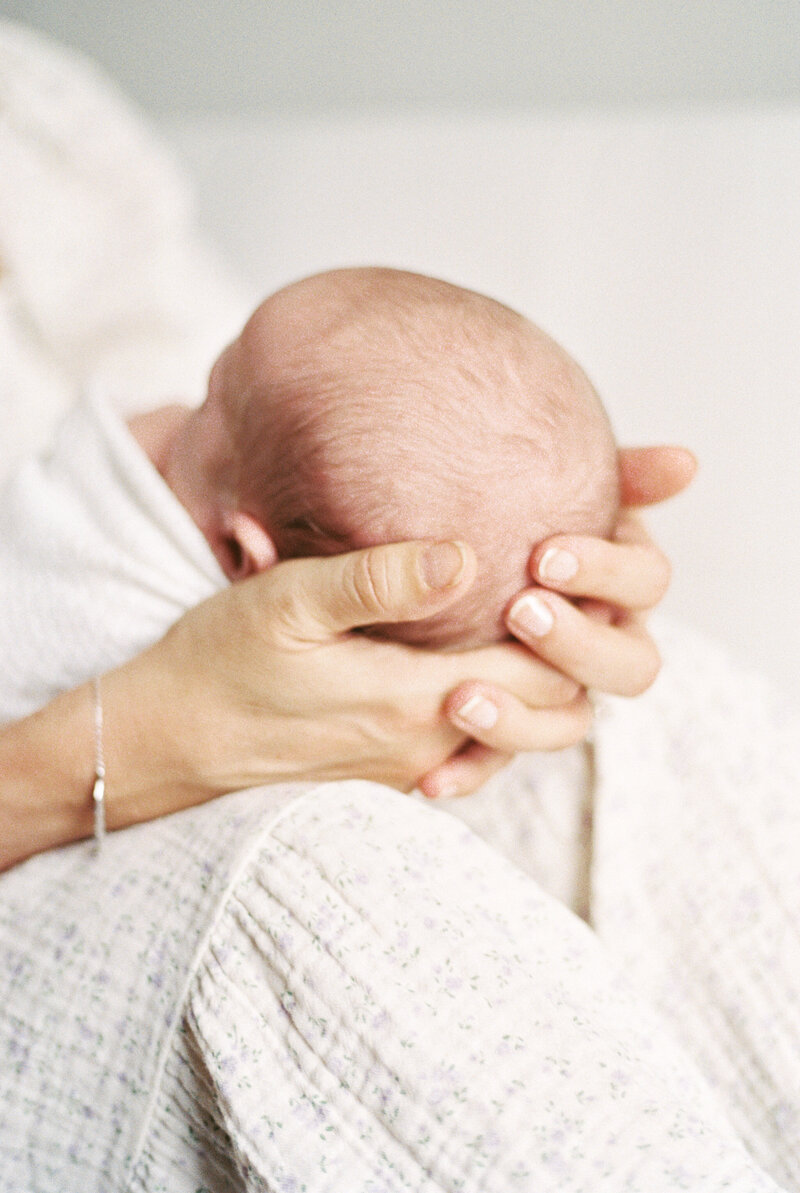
[356, 407]
[364, 406]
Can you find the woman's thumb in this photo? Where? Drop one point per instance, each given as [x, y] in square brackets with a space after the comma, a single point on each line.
[395, 582]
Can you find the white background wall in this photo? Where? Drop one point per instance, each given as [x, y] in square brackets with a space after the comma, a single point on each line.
[177, 55]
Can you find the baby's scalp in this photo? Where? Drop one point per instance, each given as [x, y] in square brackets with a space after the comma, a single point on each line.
[374, 405]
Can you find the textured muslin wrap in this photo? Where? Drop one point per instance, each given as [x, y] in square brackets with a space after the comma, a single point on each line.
[339, 988]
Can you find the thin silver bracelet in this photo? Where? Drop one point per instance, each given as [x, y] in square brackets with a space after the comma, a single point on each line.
[99, 789]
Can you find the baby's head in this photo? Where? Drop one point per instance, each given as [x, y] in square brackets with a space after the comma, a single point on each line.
[368, 406]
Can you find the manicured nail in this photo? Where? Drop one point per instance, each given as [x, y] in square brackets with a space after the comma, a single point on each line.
[531, 616]
[442, 565]
[478, 712]
[557, 565]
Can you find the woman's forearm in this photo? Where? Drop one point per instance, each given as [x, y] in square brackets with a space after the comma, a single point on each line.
[47, 763]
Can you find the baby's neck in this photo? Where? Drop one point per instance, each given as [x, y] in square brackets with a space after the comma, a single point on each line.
[182, 445]
[157, 432]
[169, 438]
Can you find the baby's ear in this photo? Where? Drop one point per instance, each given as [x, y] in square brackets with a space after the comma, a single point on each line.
[248, 546]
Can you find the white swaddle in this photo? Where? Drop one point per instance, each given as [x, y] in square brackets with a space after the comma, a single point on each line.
[97, 559]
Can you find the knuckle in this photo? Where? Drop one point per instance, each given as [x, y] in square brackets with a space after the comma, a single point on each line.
[370, 583]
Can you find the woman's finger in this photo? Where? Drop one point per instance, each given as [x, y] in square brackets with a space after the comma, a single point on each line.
[620, 658]
[463, 773]
[313, 600]
[499, 734]
[508, 665]
[633, 574]
[497, 719]
[652, 474]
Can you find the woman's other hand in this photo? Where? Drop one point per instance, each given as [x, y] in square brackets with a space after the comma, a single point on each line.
[585, 615]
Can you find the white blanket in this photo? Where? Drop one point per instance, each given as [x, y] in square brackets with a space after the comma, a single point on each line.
[696, 877]
[340, 991]
[342, 988]
[97, 559]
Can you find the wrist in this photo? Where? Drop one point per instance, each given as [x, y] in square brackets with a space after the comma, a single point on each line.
[47, 768]
[152, 744]
[160, 755]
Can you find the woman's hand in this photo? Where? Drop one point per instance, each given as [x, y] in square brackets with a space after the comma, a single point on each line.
[595, 632]
[264, 683]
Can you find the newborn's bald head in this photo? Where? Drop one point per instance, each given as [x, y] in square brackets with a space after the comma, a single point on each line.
[372, 405]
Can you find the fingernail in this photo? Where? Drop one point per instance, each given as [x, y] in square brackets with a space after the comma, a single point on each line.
[557, 565]
[531, 616]
[442, 565]
[478, 712]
